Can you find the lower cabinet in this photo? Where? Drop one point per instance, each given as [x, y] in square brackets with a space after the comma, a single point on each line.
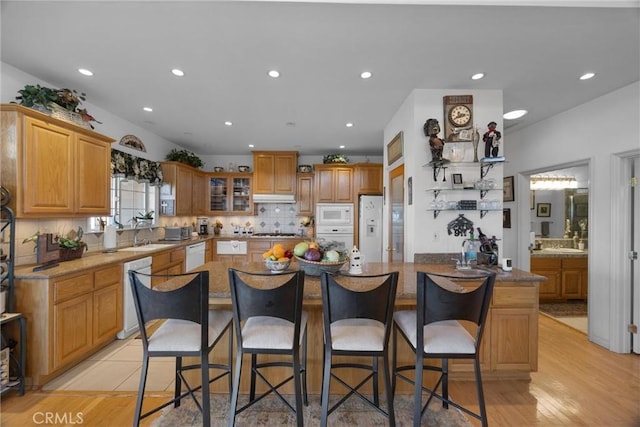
[167, 262]
[68, 318]
[567, 278]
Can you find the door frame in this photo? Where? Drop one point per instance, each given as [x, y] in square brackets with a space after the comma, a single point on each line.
[393, 174]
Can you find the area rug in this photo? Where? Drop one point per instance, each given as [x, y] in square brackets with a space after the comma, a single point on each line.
[565, 309]
[272, 412]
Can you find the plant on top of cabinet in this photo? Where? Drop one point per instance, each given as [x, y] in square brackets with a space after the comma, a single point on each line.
[184, 156]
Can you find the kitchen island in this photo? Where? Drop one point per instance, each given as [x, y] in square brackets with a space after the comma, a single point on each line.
[510, 343]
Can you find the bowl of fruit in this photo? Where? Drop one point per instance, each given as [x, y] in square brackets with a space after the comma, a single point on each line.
[277, 259]
[315, 259]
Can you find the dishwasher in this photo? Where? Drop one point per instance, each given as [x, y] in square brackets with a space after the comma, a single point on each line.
[130, 318]
[194, 256]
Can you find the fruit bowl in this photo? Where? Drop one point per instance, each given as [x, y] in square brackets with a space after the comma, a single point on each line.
[277, 266]
[316, 268]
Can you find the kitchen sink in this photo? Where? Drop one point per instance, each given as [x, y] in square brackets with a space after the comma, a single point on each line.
[150, 247]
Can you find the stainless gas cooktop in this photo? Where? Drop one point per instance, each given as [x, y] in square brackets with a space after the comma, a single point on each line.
[276, 235]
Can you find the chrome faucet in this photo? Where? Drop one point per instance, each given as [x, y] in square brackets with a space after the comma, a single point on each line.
[135, 232]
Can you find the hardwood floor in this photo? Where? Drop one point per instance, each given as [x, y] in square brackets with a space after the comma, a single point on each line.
[578, 384]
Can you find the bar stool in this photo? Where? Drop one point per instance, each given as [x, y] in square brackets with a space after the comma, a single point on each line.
[268, 319]
[357, 318]
[189, 329]
[433, 331]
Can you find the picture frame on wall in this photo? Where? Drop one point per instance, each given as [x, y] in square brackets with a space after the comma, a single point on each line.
[543, 210]
[394, 149]
[508, 193]
[456, 178]
[532, 199]
[506, 218]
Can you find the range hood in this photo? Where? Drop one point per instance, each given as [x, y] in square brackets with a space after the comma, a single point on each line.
[274, 198]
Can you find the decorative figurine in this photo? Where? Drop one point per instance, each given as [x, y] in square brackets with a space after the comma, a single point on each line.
[567, 229]
[432, 129]
[491, 140]
[476, 140]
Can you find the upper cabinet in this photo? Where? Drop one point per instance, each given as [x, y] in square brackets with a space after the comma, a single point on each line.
[334, 183]
[53, 168]
[274, 172]
[186, 186]
[230, 194]
[304, 194]
[368, 178]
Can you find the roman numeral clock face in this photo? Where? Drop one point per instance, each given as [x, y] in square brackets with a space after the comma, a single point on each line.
[458, 118]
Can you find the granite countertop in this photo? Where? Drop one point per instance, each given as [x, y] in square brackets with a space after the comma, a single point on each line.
[94, 259]
[559, 253]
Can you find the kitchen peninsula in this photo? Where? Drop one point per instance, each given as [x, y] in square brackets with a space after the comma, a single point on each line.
[510, 342]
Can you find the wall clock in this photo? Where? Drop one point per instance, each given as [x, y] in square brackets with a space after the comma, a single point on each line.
[458, 118]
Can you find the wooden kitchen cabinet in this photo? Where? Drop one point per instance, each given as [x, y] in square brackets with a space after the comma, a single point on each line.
[230, 194]
[179, 186]
[567, 277]
[368, 178]
[274, 172]
[334, 183]
[199, 194]
[304, 194]
[68, 317]
[166, 262]
[53, 168]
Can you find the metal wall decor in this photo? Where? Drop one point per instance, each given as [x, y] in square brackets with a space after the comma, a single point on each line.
[134, 142]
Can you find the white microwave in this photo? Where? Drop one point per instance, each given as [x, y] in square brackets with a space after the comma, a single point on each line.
[334, 214]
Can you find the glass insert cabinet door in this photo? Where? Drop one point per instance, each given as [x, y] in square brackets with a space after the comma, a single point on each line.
[241, 197]
[219, 194]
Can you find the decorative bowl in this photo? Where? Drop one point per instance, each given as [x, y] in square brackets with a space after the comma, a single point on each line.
[305, 168]
[315, 268]
[218, 169]
[244, 168]
[277, 266]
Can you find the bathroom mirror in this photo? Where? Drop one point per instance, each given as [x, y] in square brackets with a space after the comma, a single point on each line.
[576, 211]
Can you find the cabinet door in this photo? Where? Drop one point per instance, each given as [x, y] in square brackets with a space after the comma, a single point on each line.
[48, 168]
[369, 179]
[92, 175]
[551, 268]
[324, 185]
[274, 172]
[199, 194]
[343, 185]
[107, 313]
[285, 165]
[218, 189]
[304, 194]
[574, 278]
[509, 352]
[184, 188]
[241, 194]
[73, 326]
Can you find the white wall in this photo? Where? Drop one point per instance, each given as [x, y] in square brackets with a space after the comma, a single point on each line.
[591, 133]
[420, 226]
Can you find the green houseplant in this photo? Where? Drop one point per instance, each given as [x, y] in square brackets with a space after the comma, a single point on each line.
[184, 156]
[71, 245]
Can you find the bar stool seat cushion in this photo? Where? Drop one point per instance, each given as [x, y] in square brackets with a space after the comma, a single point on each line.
[268, 332]
[184, 335]
[446, 336]
[357, 335]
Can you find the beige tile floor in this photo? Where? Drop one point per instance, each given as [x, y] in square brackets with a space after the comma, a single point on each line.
[116, 368]
[579, 323]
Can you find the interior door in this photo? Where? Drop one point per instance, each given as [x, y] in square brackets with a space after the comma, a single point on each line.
[635, 248]
[395, 250]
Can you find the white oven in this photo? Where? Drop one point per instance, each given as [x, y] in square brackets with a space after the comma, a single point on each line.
[334, 214]
[334, 223]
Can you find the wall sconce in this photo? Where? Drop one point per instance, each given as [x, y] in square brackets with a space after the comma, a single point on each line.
[553, 182]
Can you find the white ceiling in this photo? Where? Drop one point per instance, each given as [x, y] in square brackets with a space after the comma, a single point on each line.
[533, 54]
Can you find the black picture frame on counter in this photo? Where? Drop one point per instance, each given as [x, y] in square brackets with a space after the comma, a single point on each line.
[506, 218]
[543, 210]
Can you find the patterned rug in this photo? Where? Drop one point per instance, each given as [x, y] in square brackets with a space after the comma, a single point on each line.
[565, 309]
[272, 412]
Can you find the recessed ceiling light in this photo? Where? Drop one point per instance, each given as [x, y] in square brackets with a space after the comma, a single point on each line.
[477, 76]
[274, 73]
[515, 114]
[349, 125]
[85, 72]
[251, 145]
[342, 146]
[587, 76]
[148, 109]
[177, 72]
[366, 75]
[227, 123]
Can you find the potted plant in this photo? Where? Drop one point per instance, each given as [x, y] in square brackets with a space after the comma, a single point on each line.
[184, 156]
[217, 227]
[71, 245]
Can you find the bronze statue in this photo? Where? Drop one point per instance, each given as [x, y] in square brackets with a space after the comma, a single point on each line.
[432, 129]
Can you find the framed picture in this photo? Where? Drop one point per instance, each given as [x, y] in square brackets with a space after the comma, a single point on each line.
[508, 195]
[582, 209]
[506, 218]
[544, 209]
[410, 190]
[457, 180]
[394, 149]
[532, 199]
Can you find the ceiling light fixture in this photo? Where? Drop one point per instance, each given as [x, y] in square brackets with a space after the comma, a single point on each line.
[543, 182]
[85, 72]
[274, 73]
[227, 123]
[177, 72]
[365, 75]
[342, 146]
[147, 109]
[477, 76]
[515, 114]
[587, 76]
[349, 125]
[251, 145]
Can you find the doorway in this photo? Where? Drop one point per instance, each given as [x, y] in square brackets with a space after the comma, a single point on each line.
[395, 250]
